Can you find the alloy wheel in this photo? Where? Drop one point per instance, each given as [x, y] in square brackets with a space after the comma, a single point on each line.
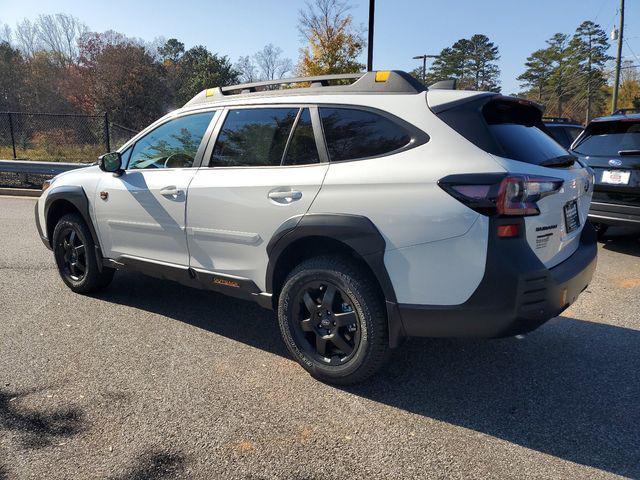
[325, 323]
[73, 253]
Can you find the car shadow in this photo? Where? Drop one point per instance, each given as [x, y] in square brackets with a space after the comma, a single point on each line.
[625, 240]
[569, 389]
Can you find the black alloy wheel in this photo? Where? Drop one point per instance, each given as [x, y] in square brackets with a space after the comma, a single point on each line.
[74, 254]
[333, 319]
[326, 324]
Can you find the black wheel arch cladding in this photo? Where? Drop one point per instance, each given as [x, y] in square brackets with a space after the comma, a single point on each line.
[356, 232]
[76, 196]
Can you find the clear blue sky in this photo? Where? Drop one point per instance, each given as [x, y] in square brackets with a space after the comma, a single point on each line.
[404, 28]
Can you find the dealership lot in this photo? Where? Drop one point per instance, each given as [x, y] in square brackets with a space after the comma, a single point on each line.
[150, 378]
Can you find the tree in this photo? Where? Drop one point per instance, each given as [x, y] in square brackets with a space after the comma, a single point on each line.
[536, 77]
[123, 79]
[200, 69]
[629, 96]
[480, 66]
[171, 51]
[266, 64]
[271, 64]
[471, 61]
[5, 33]
[27, 38]
[246, 69]
[59, 33]
[334, 44]
[589, 47]
[12, 67]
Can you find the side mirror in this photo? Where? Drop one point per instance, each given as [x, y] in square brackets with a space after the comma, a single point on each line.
[111, 162]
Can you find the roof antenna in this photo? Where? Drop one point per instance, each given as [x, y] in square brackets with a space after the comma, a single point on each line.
[449, 84]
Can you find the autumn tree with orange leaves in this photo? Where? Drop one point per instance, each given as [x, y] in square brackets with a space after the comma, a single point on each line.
[334, 42]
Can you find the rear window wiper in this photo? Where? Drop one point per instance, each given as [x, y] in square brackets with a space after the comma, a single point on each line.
[558, 162]
[628, 152]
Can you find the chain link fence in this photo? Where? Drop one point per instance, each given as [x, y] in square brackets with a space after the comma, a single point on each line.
[59, 137]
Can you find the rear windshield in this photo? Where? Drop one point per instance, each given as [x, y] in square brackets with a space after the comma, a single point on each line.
[505, 127]
[519, 132]
[609, 138]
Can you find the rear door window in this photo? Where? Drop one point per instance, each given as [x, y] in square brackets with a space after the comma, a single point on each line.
[354, 134]
[609, 138]
[302, 149]
[253, 137]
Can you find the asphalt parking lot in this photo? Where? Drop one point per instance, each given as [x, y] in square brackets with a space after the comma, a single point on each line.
[150, 379]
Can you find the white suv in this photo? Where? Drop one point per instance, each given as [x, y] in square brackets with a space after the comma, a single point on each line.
[363, 208]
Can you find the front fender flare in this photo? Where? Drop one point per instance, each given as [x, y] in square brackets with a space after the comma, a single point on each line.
[75, 195]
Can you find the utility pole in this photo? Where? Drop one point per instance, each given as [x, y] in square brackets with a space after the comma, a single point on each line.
[424, 65]
[589, 83]
[372, 9]
[616, 82]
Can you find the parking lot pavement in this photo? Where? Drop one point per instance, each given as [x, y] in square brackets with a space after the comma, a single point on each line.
[150, 379]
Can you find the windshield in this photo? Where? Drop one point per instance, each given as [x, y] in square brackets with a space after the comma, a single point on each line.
[608, 138]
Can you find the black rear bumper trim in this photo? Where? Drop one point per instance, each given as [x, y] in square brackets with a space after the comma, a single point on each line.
[517, 294]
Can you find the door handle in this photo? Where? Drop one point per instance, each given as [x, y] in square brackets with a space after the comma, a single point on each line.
[285, 196]
[171, 191]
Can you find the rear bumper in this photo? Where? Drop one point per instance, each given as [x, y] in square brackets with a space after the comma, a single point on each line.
[614, 213]
[517, 294]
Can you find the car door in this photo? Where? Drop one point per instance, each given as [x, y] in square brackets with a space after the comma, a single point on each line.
[141, 213]
[263, 169]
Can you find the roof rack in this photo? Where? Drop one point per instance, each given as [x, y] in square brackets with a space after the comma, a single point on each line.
[558, 120]
[390, 81]
[626, 111]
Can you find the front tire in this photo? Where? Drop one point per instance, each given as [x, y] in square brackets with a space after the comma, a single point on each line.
[333, 320]
[76, 256]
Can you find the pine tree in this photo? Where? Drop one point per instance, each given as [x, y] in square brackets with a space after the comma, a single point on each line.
[589, 47]
[471, 61]
[536, 77]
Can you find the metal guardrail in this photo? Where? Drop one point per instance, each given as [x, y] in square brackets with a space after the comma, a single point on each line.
[39, 168]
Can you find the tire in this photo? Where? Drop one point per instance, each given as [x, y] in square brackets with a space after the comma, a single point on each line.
[76, 258]
[347, 345]
[601, 229]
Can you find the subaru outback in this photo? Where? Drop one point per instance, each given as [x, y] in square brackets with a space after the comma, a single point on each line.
[364, 209]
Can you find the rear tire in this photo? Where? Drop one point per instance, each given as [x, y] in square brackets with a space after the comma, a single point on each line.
[601, 229]
[76, 257]
[333, 319]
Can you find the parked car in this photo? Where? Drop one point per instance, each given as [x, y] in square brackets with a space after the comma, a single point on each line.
[611, 147]
[563, 130]
[362, 213]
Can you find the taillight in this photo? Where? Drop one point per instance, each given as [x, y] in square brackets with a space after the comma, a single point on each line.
[501, 194]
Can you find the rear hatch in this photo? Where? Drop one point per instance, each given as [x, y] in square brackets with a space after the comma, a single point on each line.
[511, 130]
[611, 147]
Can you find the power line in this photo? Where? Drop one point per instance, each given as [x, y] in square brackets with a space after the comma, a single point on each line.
[631, 50]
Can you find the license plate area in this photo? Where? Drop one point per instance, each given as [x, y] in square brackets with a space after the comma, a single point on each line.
[571, 217]
[615, 177]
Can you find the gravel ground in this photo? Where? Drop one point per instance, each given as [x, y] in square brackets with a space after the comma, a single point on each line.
[153, 380]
